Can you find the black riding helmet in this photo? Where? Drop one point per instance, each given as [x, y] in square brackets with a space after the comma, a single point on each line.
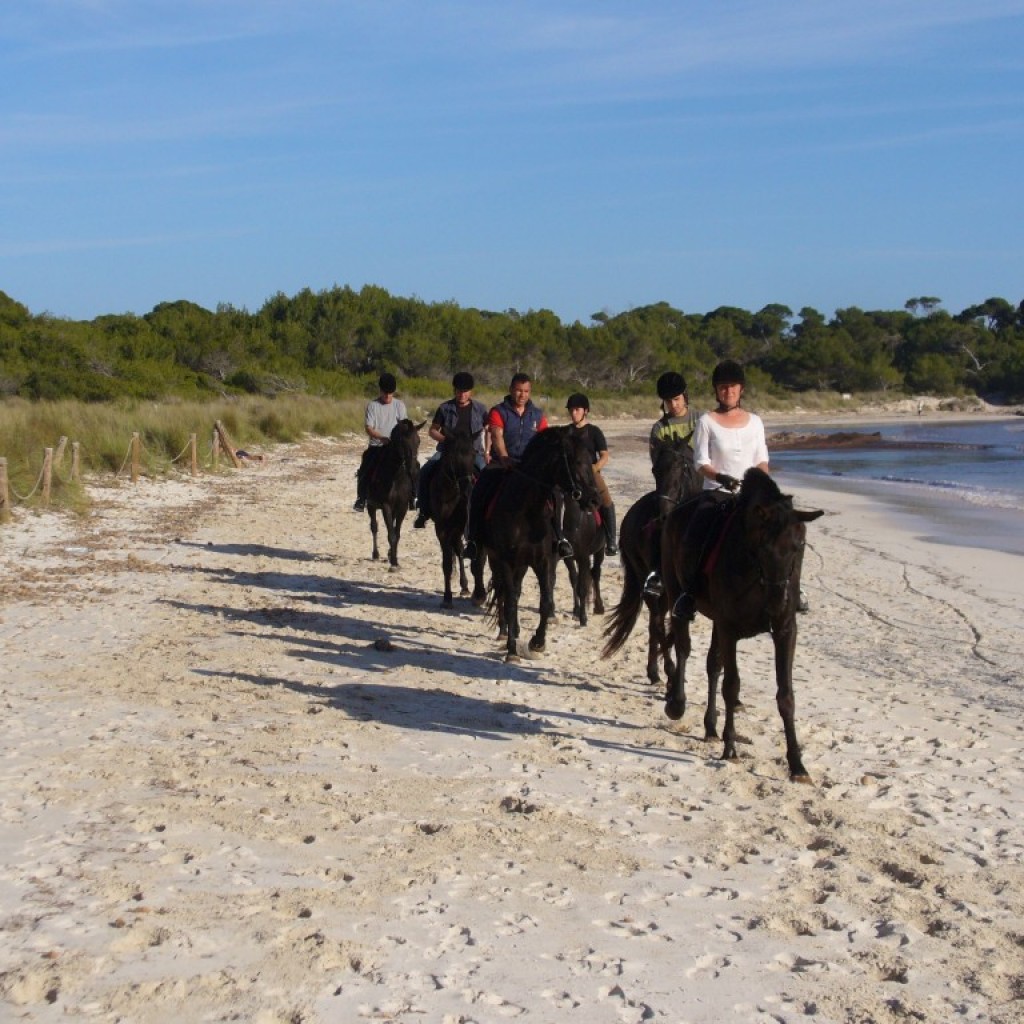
[670, 385]
[728, 371]
[578, 401]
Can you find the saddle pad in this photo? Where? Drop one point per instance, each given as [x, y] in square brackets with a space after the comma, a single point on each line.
[718, 528]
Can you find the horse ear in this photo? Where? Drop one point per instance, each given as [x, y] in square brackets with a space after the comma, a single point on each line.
[420, 426]
[809, 517]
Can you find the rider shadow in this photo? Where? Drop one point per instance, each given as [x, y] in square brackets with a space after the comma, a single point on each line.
[312, 587]
[405, 707]
[255, 550]
[343, 632]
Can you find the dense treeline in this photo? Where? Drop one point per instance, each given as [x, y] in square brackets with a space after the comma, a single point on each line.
[335, 341]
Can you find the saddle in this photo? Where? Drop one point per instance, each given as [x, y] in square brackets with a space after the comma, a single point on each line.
[708, 527]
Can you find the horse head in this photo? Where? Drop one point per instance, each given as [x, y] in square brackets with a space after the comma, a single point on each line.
[405, 436]
[459, 457]
[675, 474]
[559, 458]
[776, 533]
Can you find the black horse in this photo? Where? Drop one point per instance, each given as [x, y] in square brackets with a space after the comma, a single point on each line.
[752, 551]
[450, 486]
[676, 480]
[517, 532]
[582, 528]
[393, 484]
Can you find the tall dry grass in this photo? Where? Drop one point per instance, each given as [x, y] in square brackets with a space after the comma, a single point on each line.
[104, 433]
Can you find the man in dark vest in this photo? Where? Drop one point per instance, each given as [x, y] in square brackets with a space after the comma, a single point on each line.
[512, 424]
[464, 414]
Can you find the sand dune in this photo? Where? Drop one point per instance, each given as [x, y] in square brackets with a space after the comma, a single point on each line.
[249, 774]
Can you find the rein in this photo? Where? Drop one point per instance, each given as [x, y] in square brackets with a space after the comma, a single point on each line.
[576, 491]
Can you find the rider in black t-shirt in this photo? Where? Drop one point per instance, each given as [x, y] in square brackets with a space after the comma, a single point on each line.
[593, 437]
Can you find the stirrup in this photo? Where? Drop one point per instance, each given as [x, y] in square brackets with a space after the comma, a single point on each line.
[564, 549]
[360, 505]
[684, 608]
[653, 586]
[610, 548]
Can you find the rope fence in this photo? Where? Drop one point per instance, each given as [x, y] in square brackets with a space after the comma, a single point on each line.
[53, 460]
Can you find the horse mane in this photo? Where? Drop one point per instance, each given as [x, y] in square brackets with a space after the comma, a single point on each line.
[666, 451]
[403, 429]
[760, 489]
[545, 446]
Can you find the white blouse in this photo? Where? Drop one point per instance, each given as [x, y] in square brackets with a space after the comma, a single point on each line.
[731, 450]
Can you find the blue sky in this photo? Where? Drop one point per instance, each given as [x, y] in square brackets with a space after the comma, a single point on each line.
[541, 154]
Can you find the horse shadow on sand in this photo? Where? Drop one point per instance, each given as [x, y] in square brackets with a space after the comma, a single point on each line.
[257, 550]
[320, 618]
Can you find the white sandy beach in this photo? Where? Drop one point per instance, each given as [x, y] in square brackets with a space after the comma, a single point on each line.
[249, 774]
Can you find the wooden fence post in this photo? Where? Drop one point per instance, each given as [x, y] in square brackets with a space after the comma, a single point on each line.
[5, 500]
[194, 454]
[227, 445]
[135, 457]
[58, 458]
[47, 474]
[216, 449]
[76, 467]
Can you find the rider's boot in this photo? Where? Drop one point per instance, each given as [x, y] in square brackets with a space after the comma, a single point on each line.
[608, 522]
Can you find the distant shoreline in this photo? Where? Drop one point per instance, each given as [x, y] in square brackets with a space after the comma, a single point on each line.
[788, 440]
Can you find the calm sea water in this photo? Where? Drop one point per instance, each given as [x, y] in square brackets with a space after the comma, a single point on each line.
[968, 492]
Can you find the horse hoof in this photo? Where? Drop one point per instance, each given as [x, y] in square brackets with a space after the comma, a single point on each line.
[675, 709]
[512, 659]
[537, 648]
[464, 592]
[446, 602]
[801, 777]
[392, 568]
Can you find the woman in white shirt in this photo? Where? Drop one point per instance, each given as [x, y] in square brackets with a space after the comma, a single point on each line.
[728, 439]
[727, 442]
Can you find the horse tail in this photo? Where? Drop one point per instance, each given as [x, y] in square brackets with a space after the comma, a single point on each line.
[625, 613]
[495, 603]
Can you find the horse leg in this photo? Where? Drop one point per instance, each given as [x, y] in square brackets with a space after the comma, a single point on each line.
[714, 669]
[656, 639]
[675, 691]
[394, 525]
[730, 693]
[581, 593]
[595, 578]
[463, 580]
[513, 591]
[479, 595]
[375, 554]
[785, 647]
[574, 585]
[447, 557]
[546, 580]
